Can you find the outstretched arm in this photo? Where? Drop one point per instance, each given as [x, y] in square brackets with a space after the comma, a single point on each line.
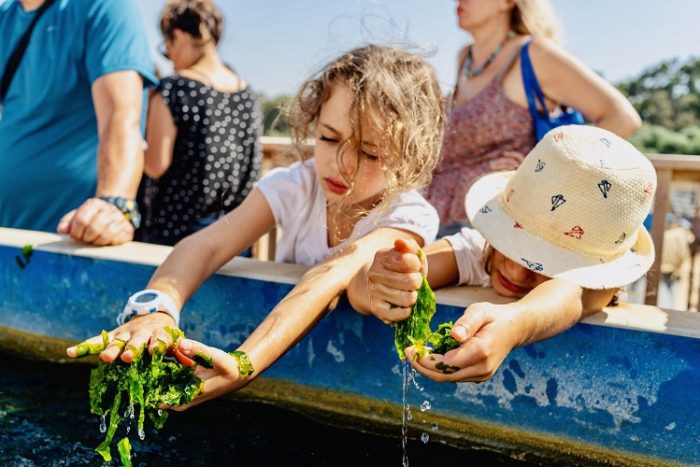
[295, 315]
[488, 332]
[192, 261]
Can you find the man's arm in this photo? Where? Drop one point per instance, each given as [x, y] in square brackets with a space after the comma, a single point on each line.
[117, 100]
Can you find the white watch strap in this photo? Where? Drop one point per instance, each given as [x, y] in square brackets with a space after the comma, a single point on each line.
[165, 303]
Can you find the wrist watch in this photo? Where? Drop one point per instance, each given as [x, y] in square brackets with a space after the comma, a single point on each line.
[127, 206]
[149, 301]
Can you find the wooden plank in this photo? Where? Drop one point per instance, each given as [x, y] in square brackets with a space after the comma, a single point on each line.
[661, 206]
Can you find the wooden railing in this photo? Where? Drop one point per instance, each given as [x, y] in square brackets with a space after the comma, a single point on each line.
[670, 169]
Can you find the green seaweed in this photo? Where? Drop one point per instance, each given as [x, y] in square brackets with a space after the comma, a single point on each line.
[149, 382]
[84, 348]
[26, 253]
[124, 448]
[203, 359]
[441, 340]
[245, 367]
[415, 330]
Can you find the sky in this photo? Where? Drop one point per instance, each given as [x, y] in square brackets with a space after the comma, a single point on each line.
[276, 44]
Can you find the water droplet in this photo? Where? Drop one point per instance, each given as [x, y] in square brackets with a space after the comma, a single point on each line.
[425, 406]
[160, 412]
[434, 426]
[128, 429]
[131, 411]
[424, 438]
[409, 415]
[142, 434]
[103, 424]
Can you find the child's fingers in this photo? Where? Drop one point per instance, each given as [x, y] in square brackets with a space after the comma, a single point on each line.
[210, 358]
[473, 319]
[397, 261]
[433, 366]
[160, 341]
[390, 313]
[400, 298]
[136, 345]
[396, 280]
[115, 347]
[406, 245]
[91, 346]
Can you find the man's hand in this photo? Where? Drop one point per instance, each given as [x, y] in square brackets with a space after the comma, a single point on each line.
[393, 280]
[97, 222]
[487, 333]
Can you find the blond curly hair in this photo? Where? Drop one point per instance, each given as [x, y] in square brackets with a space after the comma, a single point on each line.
[396, 93]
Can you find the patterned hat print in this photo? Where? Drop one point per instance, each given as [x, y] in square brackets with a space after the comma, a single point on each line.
[577, 203]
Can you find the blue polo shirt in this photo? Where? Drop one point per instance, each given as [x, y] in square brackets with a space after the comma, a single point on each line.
[48, 127]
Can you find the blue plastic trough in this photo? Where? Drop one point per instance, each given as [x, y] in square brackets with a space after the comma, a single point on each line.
[622, 388]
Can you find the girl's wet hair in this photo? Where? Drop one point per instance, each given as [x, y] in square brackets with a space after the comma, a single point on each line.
[199, 18]
[397, 94]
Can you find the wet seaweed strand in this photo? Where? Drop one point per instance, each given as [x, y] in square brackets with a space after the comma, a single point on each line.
[118, 390]
[415, 330]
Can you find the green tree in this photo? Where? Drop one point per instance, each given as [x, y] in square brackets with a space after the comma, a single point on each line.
[275, 114]
[667, 97]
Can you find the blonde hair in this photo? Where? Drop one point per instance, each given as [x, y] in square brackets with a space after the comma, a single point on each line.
[199, 18]
[396, 93]
[536, 18]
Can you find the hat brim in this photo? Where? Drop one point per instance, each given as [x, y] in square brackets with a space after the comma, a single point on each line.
[486, 213]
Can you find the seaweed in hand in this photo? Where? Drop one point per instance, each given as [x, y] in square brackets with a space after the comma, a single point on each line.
[117, 389]
[415, 330]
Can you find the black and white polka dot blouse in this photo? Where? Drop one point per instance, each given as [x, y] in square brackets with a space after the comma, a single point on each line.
[216, 159]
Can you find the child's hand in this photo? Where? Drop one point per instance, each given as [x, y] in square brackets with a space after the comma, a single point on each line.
[130, 339]
[487, 333]
[393, 280]
[223, 377]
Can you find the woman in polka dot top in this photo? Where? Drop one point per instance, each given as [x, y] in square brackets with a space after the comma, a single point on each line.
[203, 133]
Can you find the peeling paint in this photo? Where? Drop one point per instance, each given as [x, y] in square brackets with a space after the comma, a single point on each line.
[337, 354]
[610, 393]
[310, 353]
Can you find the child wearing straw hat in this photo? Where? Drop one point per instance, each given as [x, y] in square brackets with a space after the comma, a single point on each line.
[561, 234]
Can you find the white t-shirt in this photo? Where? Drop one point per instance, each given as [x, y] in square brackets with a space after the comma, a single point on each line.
[468, 246]
[299, 206]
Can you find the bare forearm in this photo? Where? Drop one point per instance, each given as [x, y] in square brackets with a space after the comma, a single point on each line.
[120, 155]
[292, 318]
[554, 306]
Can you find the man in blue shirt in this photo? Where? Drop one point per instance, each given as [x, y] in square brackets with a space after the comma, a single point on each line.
[71, 150]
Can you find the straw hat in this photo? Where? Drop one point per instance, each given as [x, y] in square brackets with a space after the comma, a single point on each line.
[573, 209]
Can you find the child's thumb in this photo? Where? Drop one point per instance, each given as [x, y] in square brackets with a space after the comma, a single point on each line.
[406, 245]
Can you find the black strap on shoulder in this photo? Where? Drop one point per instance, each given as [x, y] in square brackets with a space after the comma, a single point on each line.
[18, 53]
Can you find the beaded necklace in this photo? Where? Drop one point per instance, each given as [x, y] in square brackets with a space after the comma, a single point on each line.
[466, 69]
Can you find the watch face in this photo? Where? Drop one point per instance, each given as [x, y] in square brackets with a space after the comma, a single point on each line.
[146, 297]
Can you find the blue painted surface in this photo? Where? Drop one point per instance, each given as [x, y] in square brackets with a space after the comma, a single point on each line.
[624, 390]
